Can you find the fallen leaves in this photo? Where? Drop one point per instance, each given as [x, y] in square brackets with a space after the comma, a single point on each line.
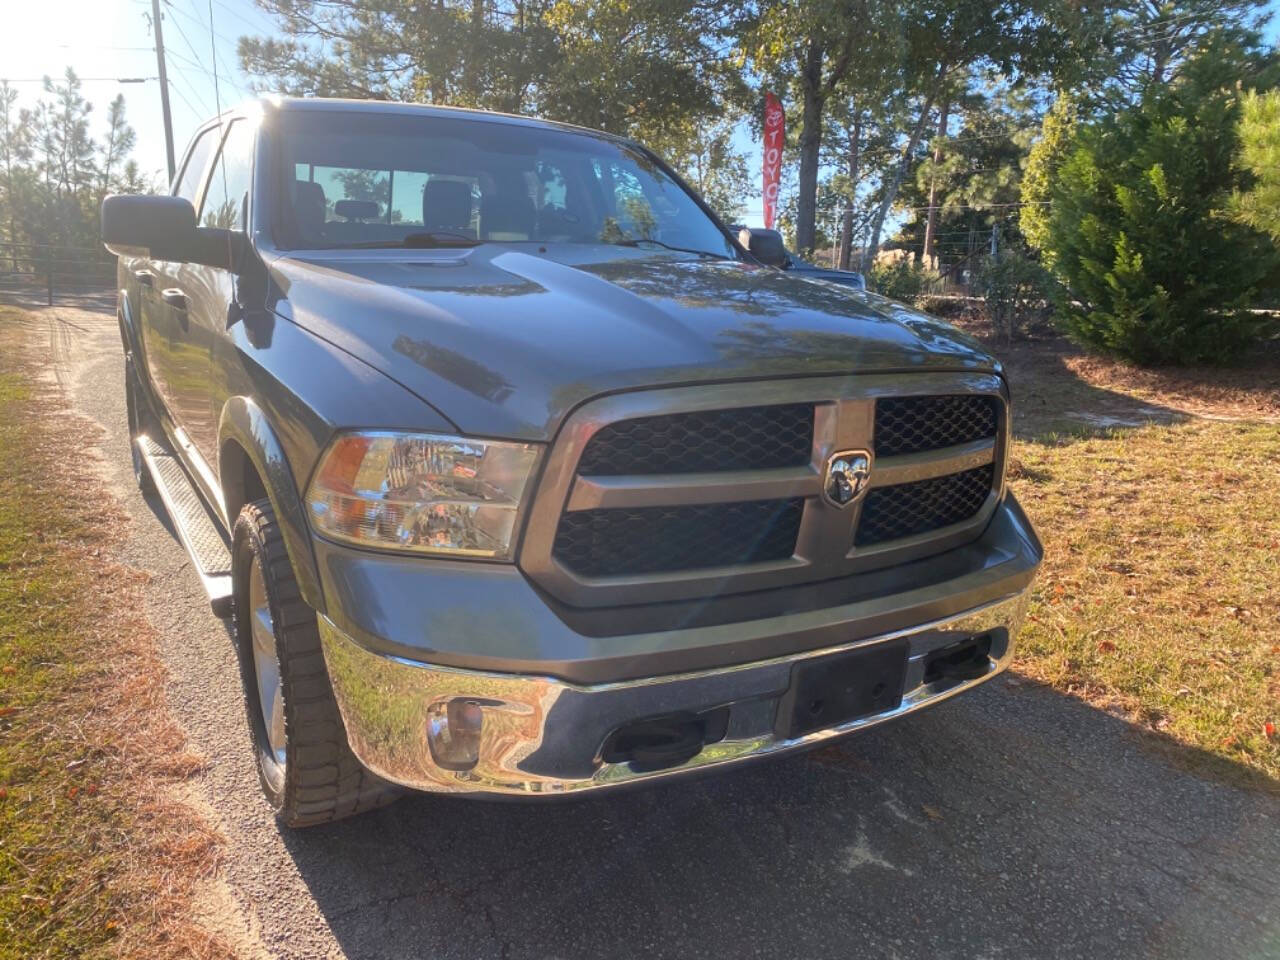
[1153, 602]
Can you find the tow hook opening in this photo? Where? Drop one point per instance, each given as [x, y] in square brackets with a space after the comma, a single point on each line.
[656, 743]
[967, 660]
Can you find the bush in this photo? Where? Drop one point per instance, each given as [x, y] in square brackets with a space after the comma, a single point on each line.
[902, 280]
[1014, 288]
[1155, 266]
[939, 305]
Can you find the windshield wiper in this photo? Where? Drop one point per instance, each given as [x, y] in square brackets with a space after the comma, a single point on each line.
[425, 239]
[633, 242]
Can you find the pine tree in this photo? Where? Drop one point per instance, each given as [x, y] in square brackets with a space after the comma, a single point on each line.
[118, 144]
[1259, 205]
[1155, 266]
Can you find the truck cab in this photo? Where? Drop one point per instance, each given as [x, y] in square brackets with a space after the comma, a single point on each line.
[518, 474]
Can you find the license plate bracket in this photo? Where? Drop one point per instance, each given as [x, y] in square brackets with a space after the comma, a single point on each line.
[828, 691]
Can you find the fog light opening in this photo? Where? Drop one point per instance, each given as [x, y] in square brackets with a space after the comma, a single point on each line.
[967, 660]
[453, 733]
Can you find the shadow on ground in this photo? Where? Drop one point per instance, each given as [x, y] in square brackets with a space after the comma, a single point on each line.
[1059, 388]
[1012, 822]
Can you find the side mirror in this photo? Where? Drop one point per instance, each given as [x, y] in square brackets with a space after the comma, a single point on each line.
[765, 245]
[164, 228]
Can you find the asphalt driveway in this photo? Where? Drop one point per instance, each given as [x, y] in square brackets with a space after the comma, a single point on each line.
[1013, 822]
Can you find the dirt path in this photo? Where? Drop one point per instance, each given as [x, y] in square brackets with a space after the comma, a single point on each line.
[1013, 822]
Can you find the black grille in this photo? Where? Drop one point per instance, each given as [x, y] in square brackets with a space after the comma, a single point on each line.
[890, 513]
[913, 424]
[747, 438]
[602, 543]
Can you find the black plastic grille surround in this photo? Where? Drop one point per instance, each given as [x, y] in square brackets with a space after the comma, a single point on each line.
[915, 424]
[907, 509]
[744, 438]
[612, 542]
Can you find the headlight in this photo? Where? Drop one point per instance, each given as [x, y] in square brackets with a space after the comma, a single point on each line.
[422, 492]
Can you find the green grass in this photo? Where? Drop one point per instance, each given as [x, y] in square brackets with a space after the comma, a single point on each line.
[95, 859]
[1160, 594]
[53, 896]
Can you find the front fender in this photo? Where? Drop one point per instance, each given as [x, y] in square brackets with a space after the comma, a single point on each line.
[244, 431]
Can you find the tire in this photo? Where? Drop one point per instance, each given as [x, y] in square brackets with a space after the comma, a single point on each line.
[308, 773]
[139, 423]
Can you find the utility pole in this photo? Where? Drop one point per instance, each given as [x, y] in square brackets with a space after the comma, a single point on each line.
[164, 85]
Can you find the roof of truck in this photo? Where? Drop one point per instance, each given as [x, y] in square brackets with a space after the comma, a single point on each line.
[284, 104]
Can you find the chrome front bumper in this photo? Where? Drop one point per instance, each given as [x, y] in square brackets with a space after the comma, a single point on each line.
[540, 735]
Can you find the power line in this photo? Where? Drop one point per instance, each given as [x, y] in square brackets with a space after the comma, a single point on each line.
[203, 110]
[216, 58]
[198, 22]
[200, 112]
[947, 141]
[1182, 21]
[191, 63]
[97, 46]
[213, 46]
[185, 39]
[81, 79]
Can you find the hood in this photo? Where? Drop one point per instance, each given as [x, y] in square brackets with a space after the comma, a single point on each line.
[505, 341]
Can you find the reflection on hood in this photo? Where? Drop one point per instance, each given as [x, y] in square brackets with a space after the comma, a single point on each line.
[506, 340]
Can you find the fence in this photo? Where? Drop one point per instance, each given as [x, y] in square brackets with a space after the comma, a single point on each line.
[55, 269]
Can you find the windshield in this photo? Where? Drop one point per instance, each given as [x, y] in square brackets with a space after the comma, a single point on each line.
[353, 180]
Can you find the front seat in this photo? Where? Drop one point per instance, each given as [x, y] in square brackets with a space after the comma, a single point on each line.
[446, 206]
[507, 214]
[308, 210]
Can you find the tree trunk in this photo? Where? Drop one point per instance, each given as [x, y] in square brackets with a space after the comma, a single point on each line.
[471, 69]
[891, 192]
[846, 223]
[810, 142]
[931, 224]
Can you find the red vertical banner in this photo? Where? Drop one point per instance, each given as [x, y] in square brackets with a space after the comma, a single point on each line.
[774, 135]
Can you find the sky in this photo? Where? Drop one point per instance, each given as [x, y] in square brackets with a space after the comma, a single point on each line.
[109, 40]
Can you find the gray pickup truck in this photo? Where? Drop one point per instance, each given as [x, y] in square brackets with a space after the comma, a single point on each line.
[518, 474]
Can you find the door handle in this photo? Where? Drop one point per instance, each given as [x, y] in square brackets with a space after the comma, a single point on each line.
[174, 298]
[144, 277]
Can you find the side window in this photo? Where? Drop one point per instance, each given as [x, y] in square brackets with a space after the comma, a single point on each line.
[224, 205]
[197, 160]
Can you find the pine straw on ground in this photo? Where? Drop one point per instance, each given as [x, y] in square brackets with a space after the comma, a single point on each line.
[1159, 598]
[1157, 495]
[97, 858]
[1052, 378]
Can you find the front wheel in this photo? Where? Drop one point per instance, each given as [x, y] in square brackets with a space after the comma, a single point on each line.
[308, 772]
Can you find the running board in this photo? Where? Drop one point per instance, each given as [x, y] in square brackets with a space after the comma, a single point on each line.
[197, 530]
